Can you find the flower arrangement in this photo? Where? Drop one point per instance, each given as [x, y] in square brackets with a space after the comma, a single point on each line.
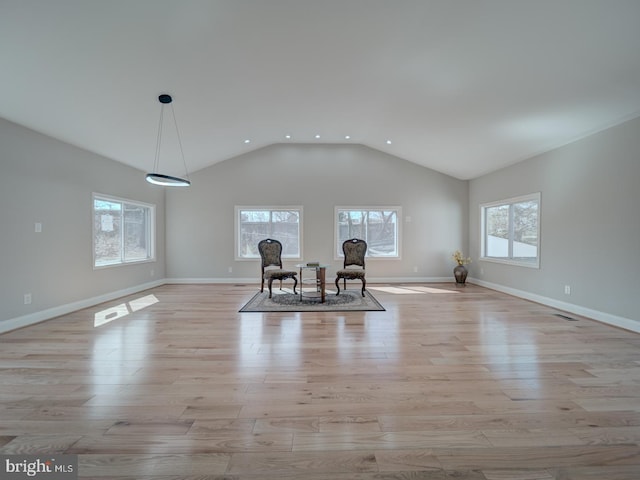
[459, 258]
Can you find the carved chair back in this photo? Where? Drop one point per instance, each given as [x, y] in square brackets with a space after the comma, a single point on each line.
[271, 252]
[354, 251]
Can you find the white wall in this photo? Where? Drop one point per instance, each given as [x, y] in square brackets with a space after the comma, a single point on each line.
[200, 220]
[590, 225]
[50, 182]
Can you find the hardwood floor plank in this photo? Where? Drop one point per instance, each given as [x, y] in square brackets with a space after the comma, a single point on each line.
[303, 463]
[519, 475]
[53, 427]
[540, 420]
[548, 437]
[610, 404]
[152, 465]
[287, 424]
[387, 440]
[410, 460]
[183, 444]
[622, 472]
[141, 413]
[347, 408]
[33, 444]
[537, 457]
[349, 424]
[224, 426]
[4, 439]
[608, 435]
[135, 427]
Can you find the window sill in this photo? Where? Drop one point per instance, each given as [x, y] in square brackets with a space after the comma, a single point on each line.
[515, 263]
[123, 264]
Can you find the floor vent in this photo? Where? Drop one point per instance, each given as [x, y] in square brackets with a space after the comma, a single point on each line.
[239, 285]
[565, 317]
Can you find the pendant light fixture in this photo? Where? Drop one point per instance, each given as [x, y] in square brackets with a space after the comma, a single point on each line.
[160, 178]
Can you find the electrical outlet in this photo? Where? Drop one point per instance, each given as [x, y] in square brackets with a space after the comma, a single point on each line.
[567, 289]
[27, 299]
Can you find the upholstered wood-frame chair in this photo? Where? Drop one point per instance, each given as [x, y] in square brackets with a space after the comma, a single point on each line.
[271, 265]
[354, 251]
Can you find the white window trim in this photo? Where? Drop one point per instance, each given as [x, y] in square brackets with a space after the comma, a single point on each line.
[337, 251]
[508, 261]
[151, 227]
[236, 230]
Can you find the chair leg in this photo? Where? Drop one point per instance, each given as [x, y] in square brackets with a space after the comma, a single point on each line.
[338, 286]
[270, 282]
[295, 283]
[364, 283]
[262, 285]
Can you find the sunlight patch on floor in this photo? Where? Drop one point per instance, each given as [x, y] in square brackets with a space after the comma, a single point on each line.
[394, 290]
[433, 290]
[113, 313]
[142, 302]
[411, 290]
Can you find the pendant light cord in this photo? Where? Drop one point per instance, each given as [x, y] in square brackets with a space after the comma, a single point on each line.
[159, 140]
[179, 142]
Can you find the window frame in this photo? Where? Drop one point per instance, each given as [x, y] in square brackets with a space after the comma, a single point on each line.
[510, 260]
[339, 255]
[238, 209]
[150, 230]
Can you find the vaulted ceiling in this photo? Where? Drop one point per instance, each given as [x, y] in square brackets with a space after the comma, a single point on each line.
[464, 87]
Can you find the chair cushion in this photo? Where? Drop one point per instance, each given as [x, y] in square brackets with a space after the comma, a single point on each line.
[279, 274]
[350, 274]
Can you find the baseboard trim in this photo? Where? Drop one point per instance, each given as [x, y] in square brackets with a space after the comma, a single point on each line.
[48, 314]
[256, 281]
[409, 279]
[609, 319]
[200, 280]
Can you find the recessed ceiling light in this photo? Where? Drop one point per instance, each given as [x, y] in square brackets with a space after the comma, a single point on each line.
[388, 142]
[317, 136]
[247, 141]
[288, 137]
[347, 137]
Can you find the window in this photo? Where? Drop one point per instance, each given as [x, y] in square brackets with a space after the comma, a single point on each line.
[511, 231]
[378, 226]
[257, 223]
[123, 231]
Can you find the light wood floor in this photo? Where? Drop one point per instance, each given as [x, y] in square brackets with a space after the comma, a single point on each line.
[462, 383]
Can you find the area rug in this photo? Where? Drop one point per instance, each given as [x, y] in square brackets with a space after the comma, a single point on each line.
[289, 302]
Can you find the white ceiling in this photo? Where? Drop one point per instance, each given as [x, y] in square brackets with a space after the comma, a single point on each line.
[462, 87]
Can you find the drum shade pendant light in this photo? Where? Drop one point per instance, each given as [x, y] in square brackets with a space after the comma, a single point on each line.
[161, 178]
